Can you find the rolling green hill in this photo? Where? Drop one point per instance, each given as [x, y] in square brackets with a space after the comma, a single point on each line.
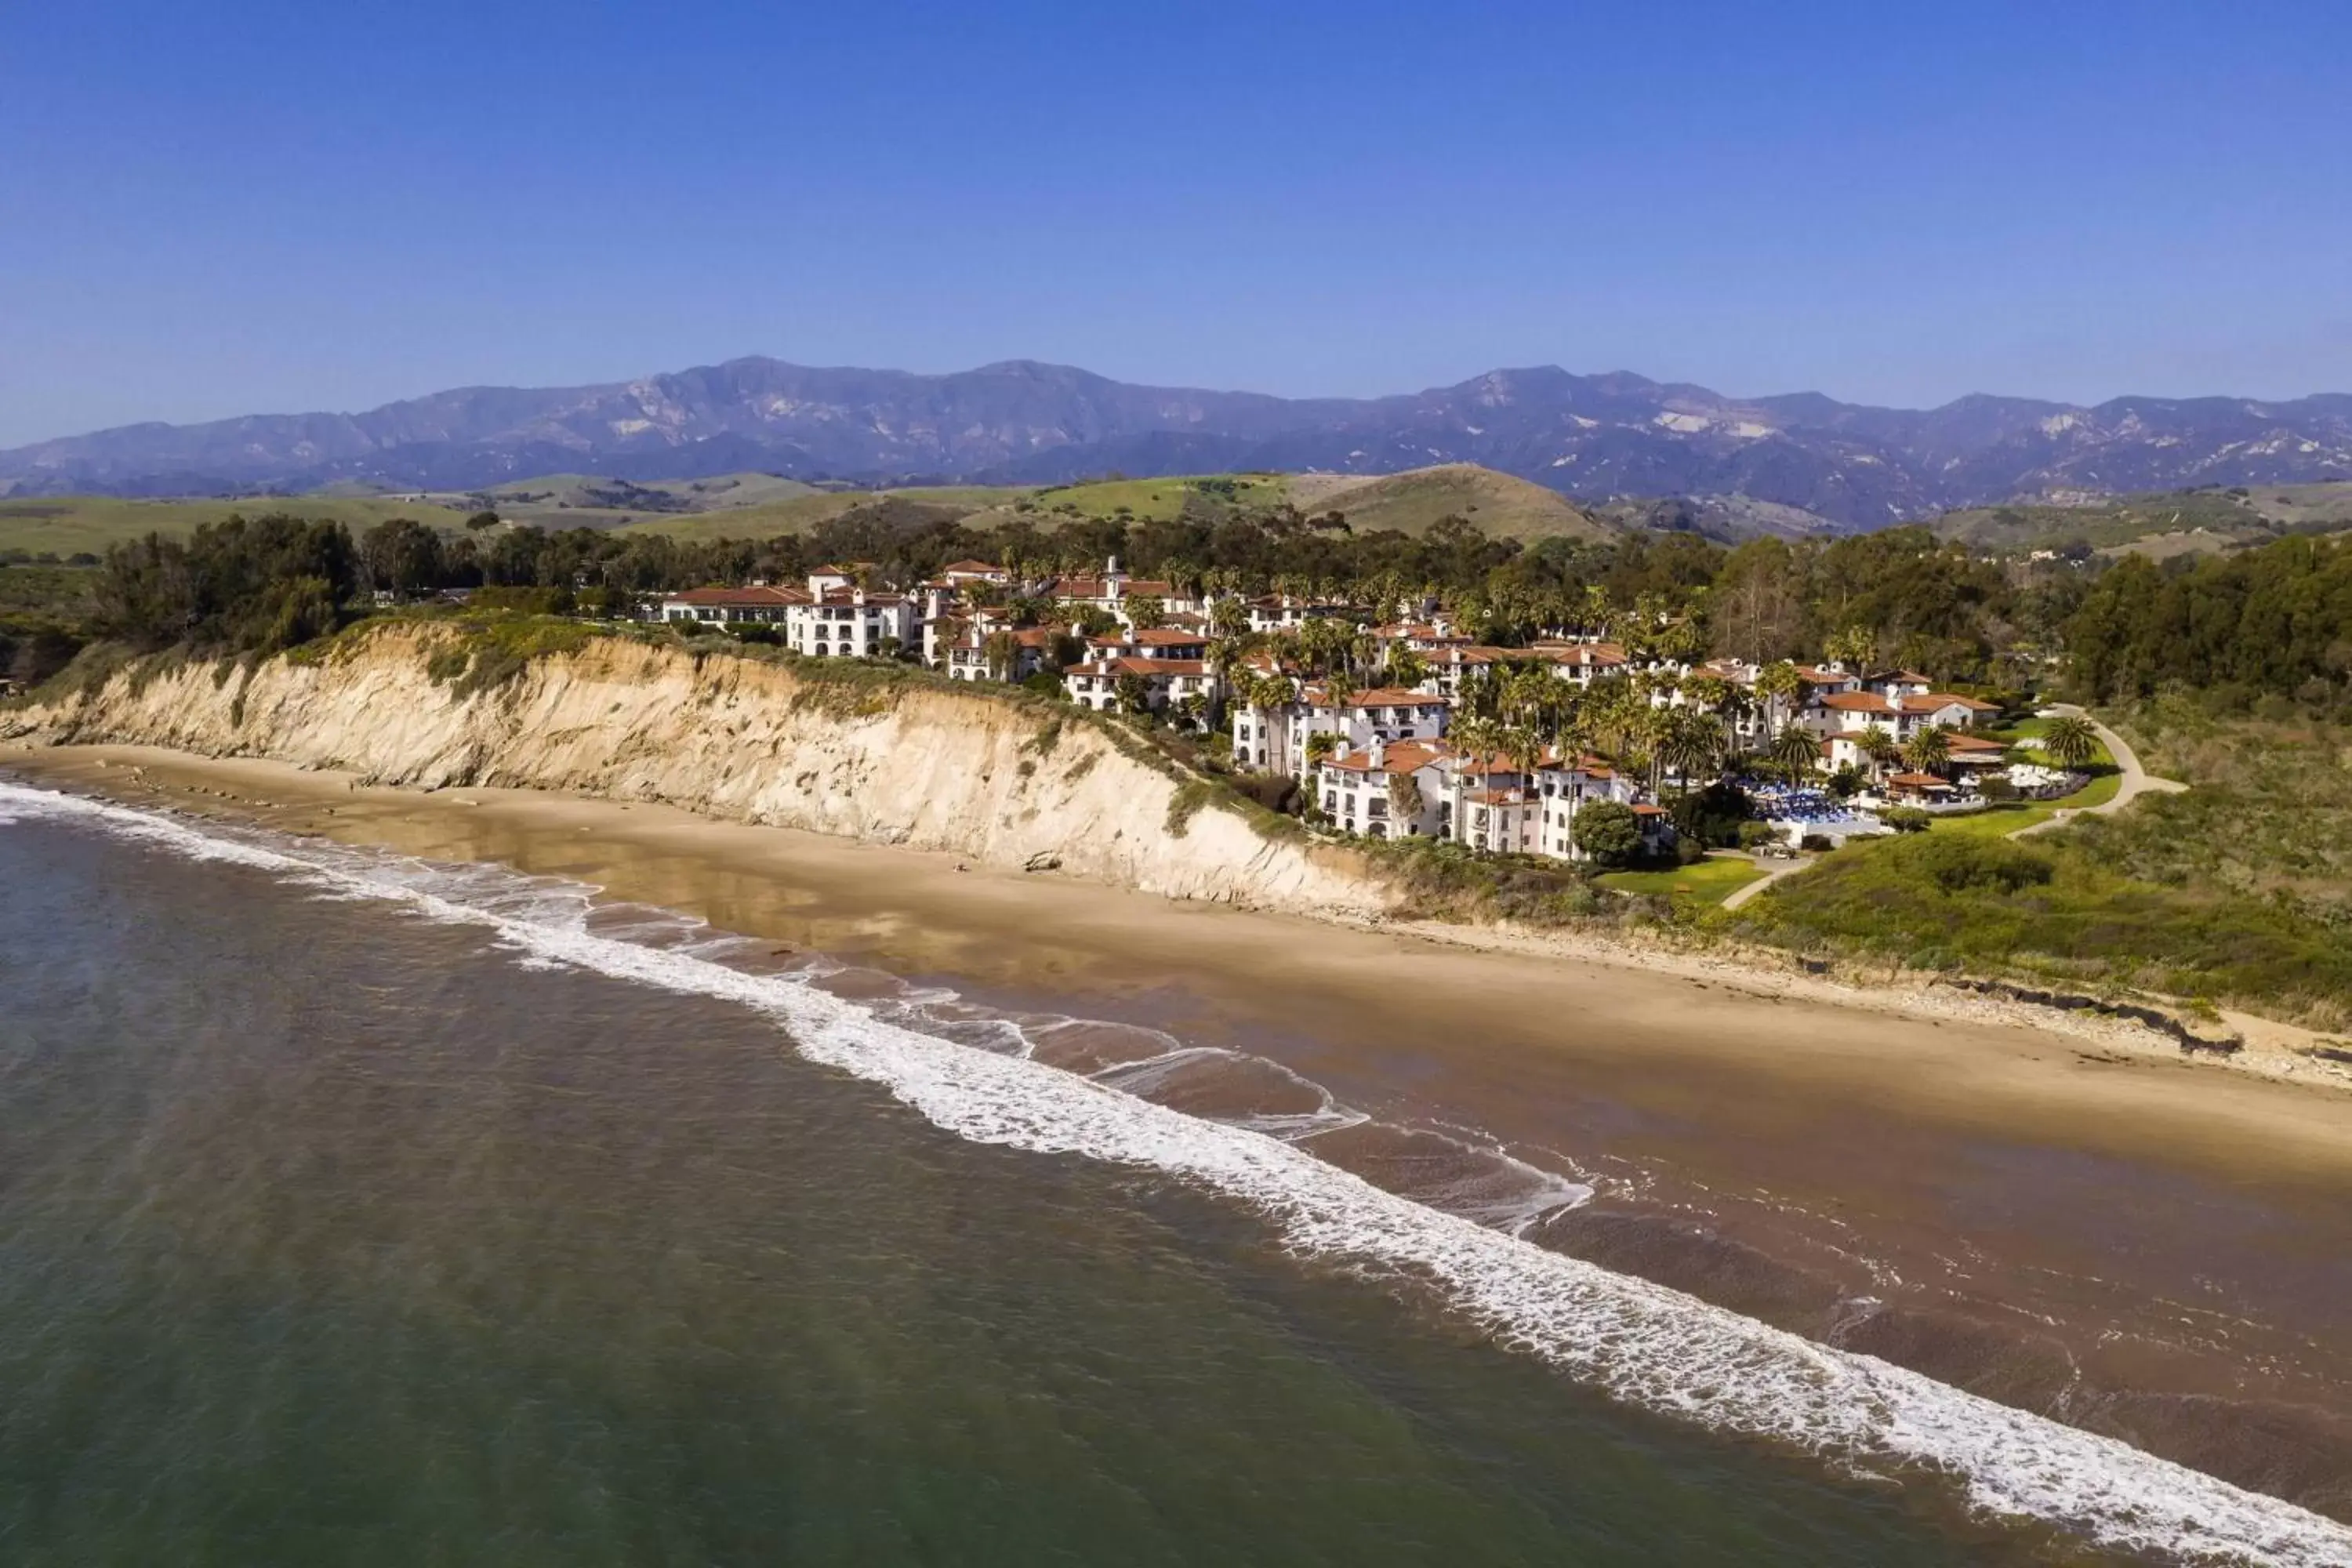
[1411, 501]
[2171, 522]
[71, 525]
[760, 506]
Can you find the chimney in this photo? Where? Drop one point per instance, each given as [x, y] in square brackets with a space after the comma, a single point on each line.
[1379, 752]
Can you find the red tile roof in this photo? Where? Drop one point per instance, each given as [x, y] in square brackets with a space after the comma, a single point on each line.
[1857, 702]
[739, 598]
[1397, 757]
[1395, 697]
[1171, 668]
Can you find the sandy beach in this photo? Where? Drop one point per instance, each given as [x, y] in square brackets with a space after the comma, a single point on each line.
[2078, 1221]
[1932, 1051]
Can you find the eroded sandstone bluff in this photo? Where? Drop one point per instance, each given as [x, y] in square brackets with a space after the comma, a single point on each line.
[1001, 782]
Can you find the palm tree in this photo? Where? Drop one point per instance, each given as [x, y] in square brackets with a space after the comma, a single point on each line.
[1689, 745]
[2070, 741]
[1593, 615]
[1477, 738]
[1525, 748]
[1879, 746]
[1855, 648]
[1795, 749]
[1777, 683]
[1928, 750]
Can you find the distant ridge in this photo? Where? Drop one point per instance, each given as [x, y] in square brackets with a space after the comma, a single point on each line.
[1594, 438]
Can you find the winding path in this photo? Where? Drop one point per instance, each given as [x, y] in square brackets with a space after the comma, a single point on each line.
[1773, 871]
[2136, 780]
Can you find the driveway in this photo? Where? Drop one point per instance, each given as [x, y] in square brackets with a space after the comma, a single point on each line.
[2137, 780]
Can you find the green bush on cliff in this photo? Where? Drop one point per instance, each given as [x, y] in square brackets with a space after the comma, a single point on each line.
[2060, 909]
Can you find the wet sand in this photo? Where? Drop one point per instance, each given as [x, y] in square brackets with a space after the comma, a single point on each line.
[2150, 1248]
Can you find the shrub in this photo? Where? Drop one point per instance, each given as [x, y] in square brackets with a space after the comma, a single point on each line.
[1990, 865]
[1185, 804]
[1609, 832]
[1907, 818]
[1714, 816]
[521, 601]
[1756, 834]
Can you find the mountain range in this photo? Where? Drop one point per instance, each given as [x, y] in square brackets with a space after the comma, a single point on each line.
[1590, 437]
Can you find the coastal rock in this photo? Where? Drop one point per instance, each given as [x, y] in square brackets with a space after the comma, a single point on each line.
[998, 781]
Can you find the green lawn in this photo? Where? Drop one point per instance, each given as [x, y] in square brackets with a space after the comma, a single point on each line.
[2000, 820]
[1995, 821]
[71, 525]
[1705, 882]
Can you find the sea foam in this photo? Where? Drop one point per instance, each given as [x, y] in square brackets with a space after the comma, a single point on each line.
[1654, 1348]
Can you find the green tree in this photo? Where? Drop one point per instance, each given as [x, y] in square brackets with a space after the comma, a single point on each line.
[1796, 750]
[1777, 684]
[1404, 801]
[2070, 741]
[401, 557]
[1608, 832]
[1879, 746]
[1689, 745]
[1929, 751]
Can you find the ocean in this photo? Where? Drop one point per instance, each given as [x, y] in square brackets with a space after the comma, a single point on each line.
[357, 1208]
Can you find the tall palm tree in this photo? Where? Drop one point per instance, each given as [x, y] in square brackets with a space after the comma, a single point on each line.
[1689, 745]
[1592, 615]
[2070, 741]
[1777, 684]
[1796, 750]
[1928, 750]
[1879, 746]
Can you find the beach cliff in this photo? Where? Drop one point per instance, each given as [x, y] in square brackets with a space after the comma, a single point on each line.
[1006, 781]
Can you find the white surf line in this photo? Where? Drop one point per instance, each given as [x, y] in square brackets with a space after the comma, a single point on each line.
[1654, 1348]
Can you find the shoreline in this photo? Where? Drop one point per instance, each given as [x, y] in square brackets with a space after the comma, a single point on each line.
[2120, 1241]
[1641, 975]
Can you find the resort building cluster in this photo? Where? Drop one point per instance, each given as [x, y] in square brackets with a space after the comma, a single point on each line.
[1385, 761]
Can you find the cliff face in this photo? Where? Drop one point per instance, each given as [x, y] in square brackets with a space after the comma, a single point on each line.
[729, 738]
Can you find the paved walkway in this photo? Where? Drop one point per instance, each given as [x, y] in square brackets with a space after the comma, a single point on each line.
[1774, 870]
[2137, 780]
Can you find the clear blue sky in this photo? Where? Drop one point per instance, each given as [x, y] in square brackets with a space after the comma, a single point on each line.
[211, 209]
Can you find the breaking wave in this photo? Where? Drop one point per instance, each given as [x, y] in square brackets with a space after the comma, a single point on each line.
[1054, 1084]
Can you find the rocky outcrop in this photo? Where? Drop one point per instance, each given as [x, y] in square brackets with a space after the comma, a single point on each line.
[1002, 781]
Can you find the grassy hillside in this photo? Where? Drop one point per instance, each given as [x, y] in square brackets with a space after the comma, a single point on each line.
[585, 500]
[1411, 501]
[69, 525]
[2236, 891]
[2175, 522]
[761, 506]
